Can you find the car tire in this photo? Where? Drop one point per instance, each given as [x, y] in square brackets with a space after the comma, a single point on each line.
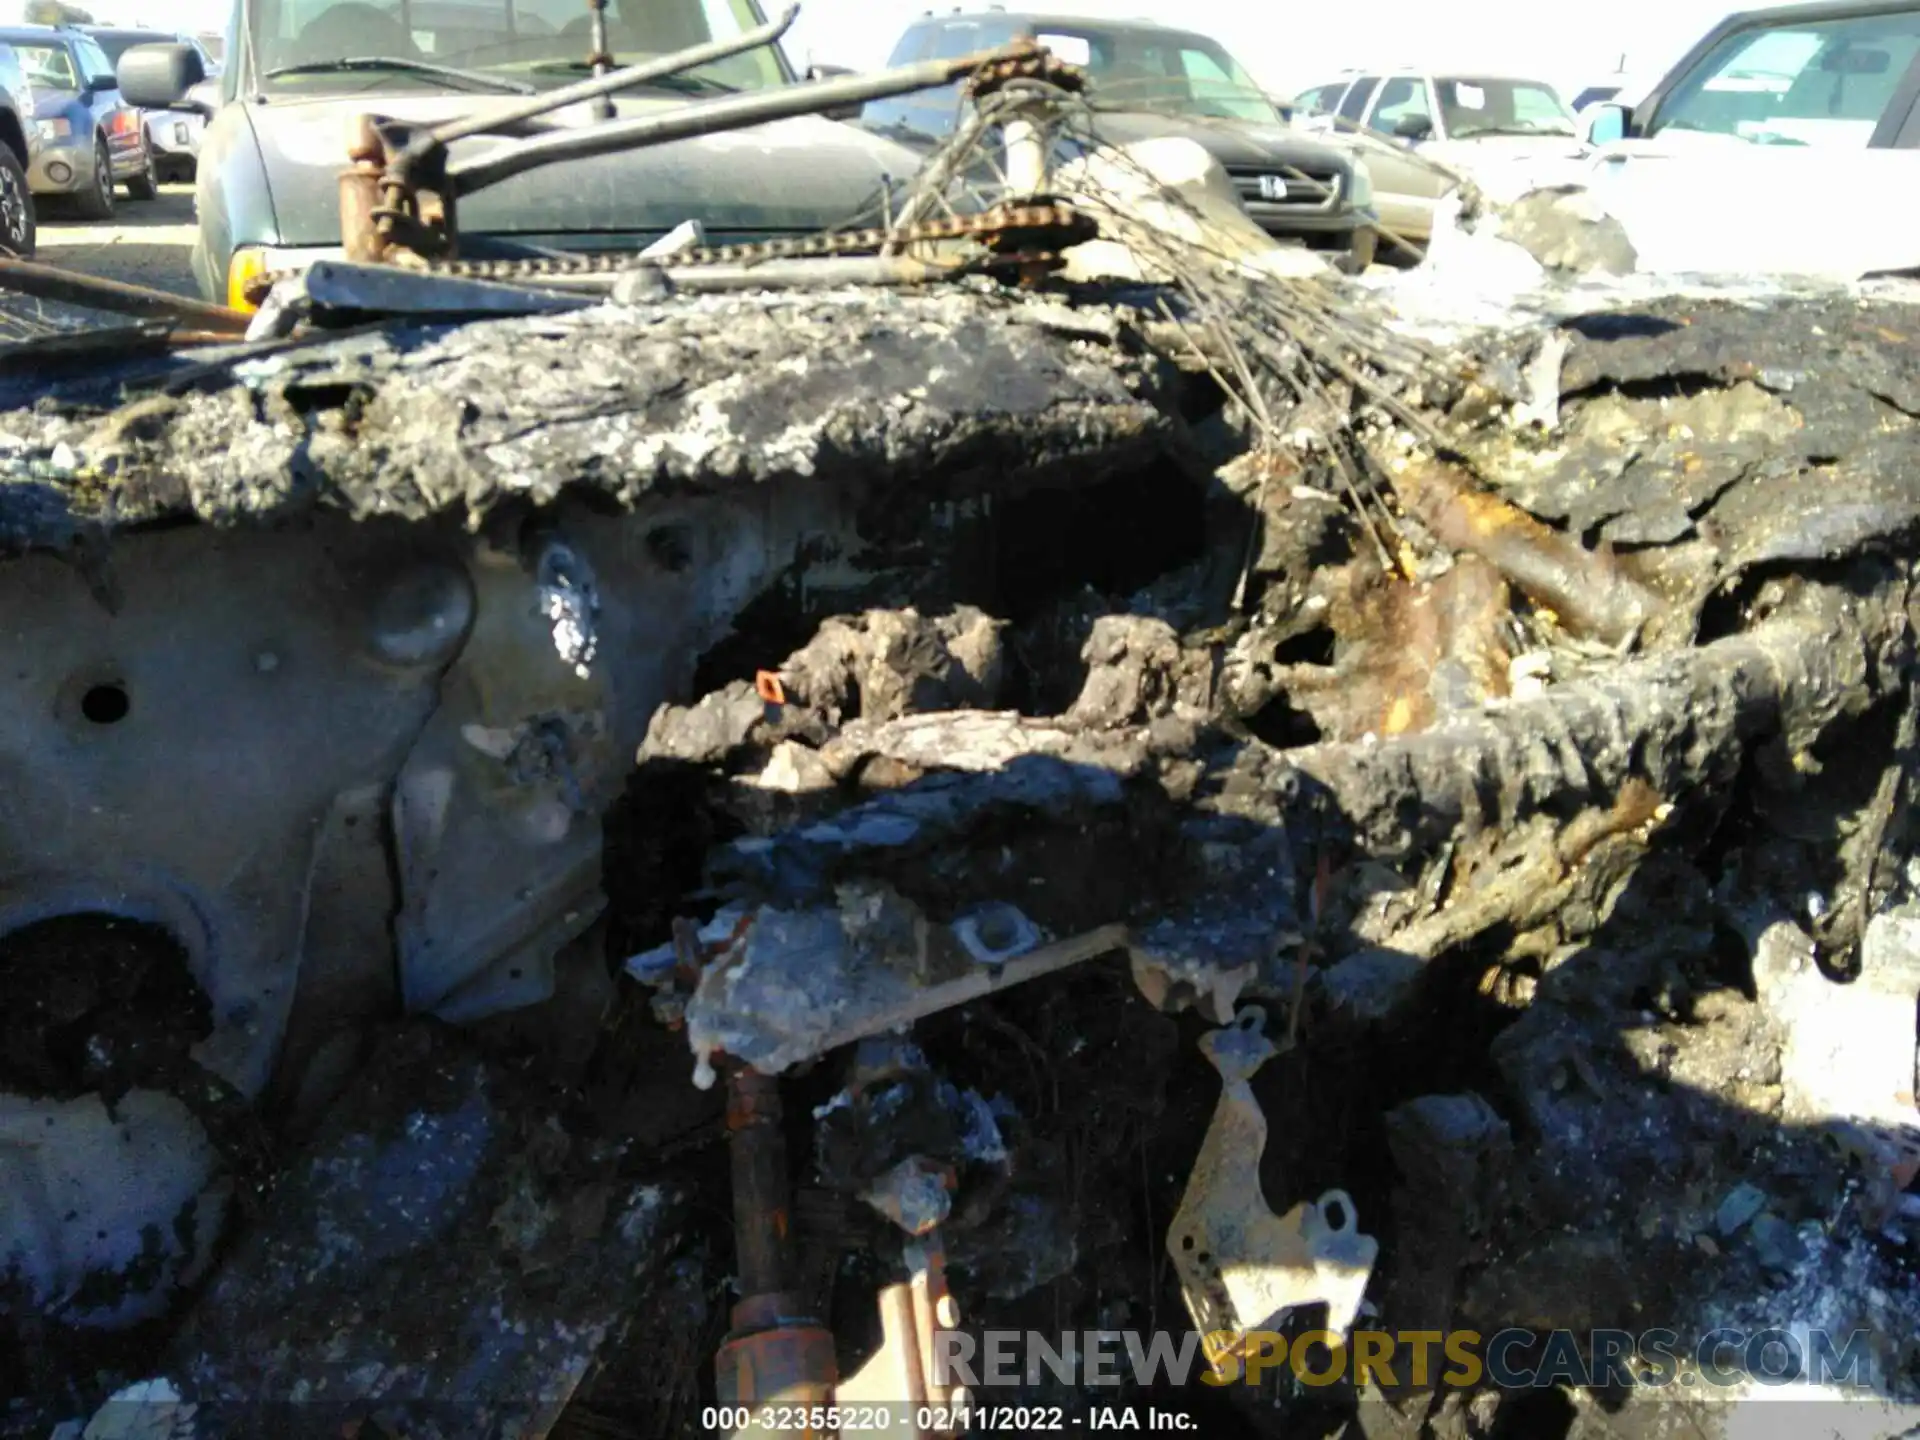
[19, 227]
[145, 185]
[95, 201]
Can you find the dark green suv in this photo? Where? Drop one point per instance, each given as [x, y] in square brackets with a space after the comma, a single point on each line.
[268, 193]
[1151, 81]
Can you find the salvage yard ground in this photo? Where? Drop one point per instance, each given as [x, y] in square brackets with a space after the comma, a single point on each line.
[144, 244]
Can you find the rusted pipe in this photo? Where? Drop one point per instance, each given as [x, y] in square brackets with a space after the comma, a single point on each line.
[762, 1222]
[360, 237]
[777, 1355]
[1585, 589]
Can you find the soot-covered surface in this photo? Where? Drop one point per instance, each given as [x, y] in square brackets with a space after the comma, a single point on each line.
[1542, 856]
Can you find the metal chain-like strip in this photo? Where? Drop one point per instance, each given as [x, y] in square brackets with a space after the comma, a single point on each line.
[1051, 224]
[1037, 63]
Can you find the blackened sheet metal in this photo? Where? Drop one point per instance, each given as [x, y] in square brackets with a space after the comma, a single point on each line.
[1685, 415]
[686, 393]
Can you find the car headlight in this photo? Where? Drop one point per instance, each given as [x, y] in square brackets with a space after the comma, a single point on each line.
[248, 264]
[1362, 185]
[55, 129]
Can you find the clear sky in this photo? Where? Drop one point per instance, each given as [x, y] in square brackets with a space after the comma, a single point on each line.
[1292, 45]
[1286, 46]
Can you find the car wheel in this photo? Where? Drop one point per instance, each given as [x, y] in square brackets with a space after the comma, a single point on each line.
[18, 226]
[145, 185]
[96, 200]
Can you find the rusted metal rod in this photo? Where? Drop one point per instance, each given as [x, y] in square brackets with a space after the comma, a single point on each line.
[707, 117]
[43, 282]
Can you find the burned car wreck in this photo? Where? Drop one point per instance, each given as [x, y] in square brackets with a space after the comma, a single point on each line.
[607, 848]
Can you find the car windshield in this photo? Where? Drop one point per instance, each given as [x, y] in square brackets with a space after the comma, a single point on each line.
[1473, 106]
[1159, 70]
[1809, 84]
[117, 45]
[512, 42]
[49, 66]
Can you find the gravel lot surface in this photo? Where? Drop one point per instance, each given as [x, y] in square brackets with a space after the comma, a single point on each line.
[146, 243]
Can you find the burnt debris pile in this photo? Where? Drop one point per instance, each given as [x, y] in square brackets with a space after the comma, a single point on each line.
[1227, 806]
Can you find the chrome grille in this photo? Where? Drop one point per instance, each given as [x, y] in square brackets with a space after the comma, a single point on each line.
[1279, 188]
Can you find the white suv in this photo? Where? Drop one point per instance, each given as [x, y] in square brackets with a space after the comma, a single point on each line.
[1467, 123]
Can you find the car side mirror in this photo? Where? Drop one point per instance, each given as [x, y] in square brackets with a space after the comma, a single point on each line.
[834, 72]
[161, 77]
[204, 98]
[1607, 122]
[1413, 127]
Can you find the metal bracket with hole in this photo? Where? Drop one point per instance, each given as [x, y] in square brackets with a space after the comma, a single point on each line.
[1241, 1266]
